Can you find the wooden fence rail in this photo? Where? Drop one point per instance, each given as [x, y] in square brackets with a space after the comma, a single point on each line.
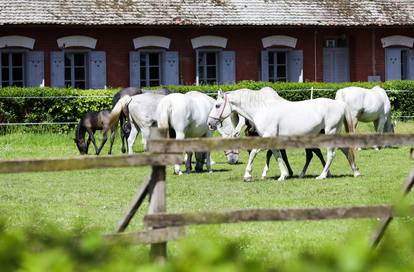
[281, 142]
[87, 162]
[248, 215]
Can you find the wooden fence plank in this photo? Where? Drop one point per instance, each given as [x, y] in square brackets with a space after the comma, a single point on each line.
[148, 236]
[133, 207]
[87, 162]
[204, 144]
[380, 231]
[248, 215]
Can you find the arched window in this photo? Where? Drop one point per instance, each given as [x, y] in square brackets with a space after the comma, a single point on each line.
[399, 57]
[213, 64]
[20, 66]
[279, 61]
[152, 63]
[77, 64]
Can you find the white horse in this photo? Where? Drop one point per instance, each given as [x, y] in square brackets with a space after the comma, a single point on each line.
[368, 105]
[142, 115]
[274, 117]
[187, 115]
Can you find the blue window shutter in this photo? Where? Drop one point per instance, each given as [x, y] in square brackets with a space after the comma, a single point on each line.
[341, 60]
[227, 70]
[97, 70]
[134, 71]
[35, 69]
[57, 68]
[265, 66]
[328, 65]
[295, 66]
[410, 62]
[392, 63]
[170, 68]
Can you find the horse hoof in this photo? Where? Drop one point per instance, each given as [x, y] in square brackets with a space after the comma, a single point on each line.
[357, 174]
[123, 150]
[302, 175]
[263, 177]
[321, 177]
[281, 178]
[247, 179]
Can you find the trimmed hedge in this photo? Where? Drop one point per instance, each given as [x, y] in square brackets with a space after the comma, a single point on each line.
[72, 109]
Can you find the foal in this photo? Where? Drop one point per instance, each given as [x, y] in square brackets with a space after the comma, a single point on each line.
[100, 120]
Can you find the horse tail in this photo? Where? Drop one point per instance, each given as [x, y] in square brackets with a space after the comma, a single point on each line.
[117, 109]
[163, 113]
[348, 123]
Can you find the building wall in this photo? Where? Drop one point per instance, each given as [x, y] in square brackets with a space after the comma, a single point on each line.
[245, 41]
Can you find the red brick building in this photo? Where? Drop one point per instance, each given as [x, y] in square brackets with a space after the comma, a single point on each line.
[99, 43]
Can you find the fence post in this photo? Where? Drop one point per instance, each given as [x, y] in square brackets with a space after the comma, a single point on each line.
[311, 96]
[158, 251]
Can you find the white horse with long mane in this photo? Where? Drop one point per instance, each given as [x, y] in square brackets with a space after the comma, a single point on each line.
[280, 117]
[187, 115]
[368, 105]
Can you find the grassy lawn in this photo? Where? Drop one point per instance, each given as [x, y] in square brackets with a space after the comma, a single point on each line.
[96, 199]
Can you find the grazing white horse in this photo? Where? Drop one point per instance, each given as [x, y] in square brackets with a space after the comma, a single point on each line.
[274, 117]
[187, 115]
[368, 105]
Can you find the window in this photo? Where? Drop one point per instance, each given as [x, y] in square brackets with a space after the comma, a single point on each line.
[75, 70]
[150, 69]
[12, 69]
[207, 62]
[277, 66]
[399, 63]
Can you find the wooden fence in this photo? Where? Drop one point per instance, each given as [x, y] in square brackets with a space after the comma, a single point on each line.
[162, 227]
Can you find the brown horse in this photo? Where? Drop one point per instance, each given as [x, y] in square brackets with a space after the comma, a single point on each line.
[98, 120]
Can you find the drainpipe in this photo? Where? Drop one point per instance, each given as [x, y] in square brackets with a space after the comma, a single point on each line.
[374, 64]
[315, 62]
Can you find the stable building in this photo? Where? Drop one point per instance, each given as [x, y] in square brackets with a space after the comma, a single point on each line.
[108, 43]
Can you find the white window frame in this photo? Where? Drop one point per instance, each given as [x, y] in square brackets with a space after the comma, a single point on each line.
[274, 76]
[10, 80]
[147, 67]
[72, 67]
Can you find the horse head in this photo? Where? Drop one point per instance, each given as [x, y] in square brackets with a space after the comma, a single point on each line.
[220, 111]
[81, 145]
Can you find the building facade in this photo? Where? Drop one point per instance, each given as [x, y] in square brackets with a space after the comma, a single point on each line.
[98, 44]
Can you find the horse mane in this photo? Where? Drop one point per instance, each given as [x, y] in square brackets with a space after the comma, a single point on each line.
[262, 98]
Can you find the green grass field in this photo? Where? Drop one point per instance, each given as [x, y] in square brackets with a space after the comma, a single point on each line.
[96, 199]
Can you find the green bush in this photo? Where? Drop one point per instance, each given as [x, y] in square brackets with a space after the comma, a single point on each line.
[72, 109]
[52, 249]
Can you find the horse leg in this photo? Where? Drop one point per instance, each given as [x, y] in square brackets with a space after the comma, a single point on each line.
[123, 136]
[131, 139]
[286, 161]
[145, 136]
[330, 156]
[379, 127]
[179, 135]
[104, 138]
[350, 155]
[266, 167]
[249, 167]
[309, 156]
[283, 170]
[209, 162]
[188, 166]
[91, 136]
[88, 142]
[319, 154]
[111, 143]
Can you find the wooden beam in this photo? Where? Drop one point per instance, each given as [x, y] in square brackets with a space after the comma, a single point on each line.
[148, 236]
[380, 231]
[133, 207]
[87, 162]
[249, 215]
[204, 144]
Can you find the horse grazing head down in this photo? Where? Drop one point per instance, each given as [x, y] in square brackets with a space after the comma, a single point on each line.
[81, 145]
